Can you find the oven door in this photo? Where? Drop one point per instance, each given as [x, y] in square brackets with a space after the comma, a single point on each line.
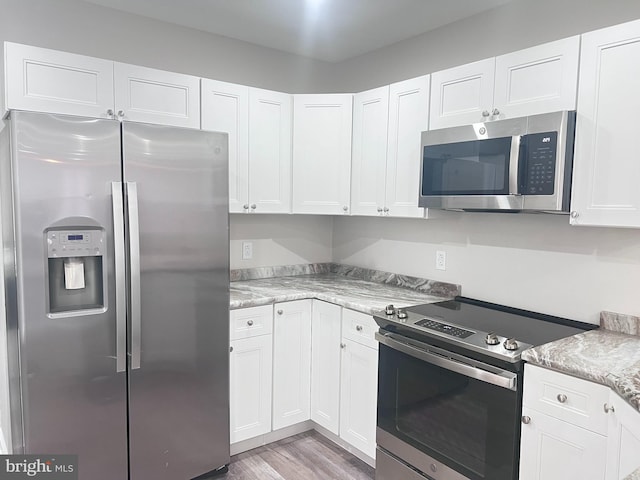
[446, 415]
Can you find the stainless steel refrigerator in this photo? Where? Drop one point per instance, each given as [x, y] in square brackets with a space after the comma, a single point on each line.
[117, 294]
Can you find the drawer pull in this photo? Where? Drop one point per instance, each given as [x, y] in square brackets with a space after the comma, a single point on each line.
[279, 312]
[608, 408]
[249, 322]
[562, 398]
[359, 328]
[526, 419]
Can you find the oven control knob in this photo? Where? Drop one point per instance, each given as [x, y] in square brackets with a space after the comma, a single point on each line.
[402, 314]
[390, 310]
[511, 344]
[491, 339]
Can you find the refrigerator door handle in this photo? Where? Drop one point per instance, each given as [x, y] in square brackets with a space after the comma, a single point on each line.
[134, 262]
[121, 284]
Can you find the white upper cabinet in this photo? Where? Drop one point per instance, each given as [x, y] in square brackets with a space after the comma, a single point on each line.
[258, 123]
[322, 126]
[369, 162]
[606, 170]
[155, 96]
[43, 80]
[408, 118]
[225, 108]
[387, 126]
[269, 151]
[537, 80]
[527, 82]
[462, 95]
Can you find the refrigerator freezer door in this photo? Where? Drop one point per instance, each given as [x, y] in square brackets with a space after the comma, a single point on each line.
[73, 397]
[178, 397]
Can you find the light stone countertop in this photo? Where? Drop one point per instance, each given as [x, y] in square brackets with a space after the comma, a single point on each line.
[634, 476]
[602, 356]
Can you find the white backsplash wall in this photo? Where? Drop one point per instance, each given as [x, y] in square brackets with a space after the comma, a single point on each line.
[535, 262]
[280, 239]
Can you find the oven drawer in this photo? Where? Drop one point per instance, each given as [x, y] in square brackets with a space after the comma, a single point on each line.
[388, 468]
[251, 322]
[359, 327]
[567, 398]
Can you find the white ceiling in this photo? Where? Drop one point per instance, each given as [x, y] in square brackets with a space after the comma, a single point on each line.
[330, 30]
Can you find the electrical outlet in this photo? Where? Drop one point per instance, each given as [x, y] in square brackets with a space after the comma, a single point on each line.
[441, 260]
[247, 250]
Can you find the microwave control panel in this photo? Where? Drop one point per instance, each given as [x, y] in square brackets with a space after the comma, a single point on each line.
[541, 152]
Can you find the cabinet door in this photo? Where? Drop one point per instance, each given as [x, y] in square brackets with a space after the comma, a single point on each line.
[369, 162]
[623, 456]
[358, 396]
[155, 96]
[43, 80]
[291, 363]
[553, 449]
[325, 365]
[408, 118]
[250, 387]
[606, 171]
[537, 80]
[269, 151]
[462, 95]
[225, 108]
[321, 153]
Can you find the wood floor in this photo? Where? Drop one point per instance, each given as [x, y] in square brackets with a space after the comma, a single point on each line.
[307, 456]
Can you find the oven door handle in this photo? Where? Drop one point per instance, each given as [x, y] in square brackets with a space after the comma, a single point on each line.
[499, 378]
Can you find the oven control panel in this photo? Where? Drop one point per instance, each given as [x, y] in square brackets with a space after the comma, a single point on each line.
[444, 328]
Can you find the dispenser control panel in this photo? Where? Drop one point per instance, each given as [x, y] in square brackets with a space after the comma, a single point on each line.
[75, 243]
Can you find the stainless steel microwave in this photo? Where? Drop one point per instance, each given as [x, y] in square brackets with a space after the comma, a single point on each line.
[520, 164]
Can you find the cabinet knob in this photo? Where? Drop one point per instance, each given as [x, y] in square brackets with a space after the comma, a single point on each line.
[253, 206]
[379, 209]
[526, 419]
[385, 209]
[574, 214]
[246, 206]
[345, 208]
[359, 328]
[343, 345]
[562, 398]
[495, 112]
[249, 322]
[110, 113]
[608, 408]
[121, 113]
[485, 113]
[280, 312]
[230, 349]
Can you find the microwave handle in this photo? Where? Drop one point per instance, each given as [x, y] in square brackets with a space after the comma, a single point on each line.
[523, 164]
[515, 166]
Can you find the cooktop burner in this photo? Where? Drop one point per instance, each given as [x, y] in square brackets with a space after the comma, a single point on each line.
[492, 330]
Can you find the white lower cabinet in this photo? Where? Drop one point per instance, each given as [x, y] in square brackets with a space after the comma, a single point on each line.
[575, 429]
[291, 363]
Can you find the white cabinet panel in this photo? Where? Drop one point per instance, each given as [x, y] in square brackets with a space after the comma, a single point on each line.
[623, 456]
[291, 363]
[369, 162]
[322, 153]
[155, 96]
[358, 396]
[43, 80]
[250, 387]
[554, 449]
[225, 108]
[270, 133]
[537, 80]
[325, 365]
[359, 327]
[460, 95]
[408, 118]
[606, 171]
[251, 322]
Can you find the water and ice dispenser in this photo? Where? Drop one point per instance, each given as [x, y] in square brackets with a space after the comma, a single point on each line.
[76, 269]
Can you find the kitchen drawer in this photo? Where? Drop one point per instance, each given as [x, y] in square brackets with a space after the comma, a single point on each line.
[251, 322]
[359, 327]
[567, 398]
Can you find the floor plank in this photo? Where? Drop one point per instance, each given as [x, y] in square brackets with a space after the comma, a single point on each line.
[307, 456]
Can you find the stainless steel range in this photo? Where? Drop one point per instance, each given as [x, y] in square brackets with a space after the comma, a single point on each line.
[450, 388]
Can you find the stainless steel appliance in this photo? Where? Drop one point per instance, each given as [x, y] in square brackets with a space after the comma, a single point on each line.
[117, 294]
[450, 388]
[520, 164]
